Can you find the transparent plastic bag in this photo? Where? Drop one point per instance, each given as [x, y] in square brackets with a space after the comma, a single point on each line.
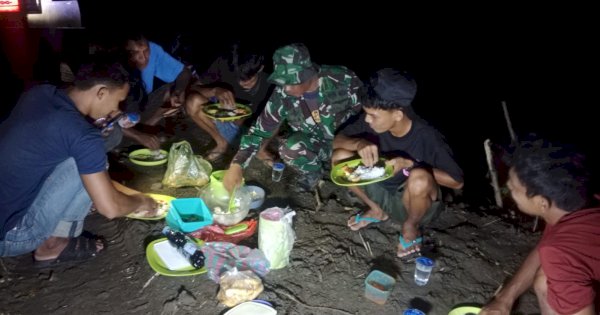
[184, 168]
[276, 235]
[239, 286]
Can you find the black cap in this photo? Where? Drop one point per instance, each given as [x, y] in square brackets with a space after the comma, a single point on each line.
[393, 85]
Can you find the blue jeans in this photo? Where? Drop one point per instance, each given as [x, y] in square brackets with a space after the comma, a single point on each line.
[58, 210]
[228, 130]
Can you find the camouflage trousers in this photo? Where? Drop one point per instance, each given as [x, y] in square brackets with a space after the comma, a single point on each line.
[304, 153]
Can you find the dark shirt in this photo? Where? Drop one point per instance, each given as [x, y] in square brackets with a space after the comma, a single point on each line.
[44, 129]
[422, 144]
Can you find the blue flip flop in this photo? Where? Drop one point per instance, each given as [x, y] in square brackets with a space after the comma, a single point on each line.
[358, 218]
[405, 245]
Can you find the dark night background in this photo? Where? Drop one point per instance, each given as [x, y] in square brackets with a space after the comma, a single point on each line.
[466, 60]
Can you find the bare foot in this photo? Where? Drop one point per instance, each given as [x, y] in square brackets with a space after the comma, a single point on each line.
[409, 242]
[371, 216]
[216, 153]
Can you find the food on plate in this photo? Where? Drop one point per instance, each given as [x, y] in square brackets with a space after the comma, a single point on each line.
[162, 208]
[150, 157]
[220, 112]
[361, 172]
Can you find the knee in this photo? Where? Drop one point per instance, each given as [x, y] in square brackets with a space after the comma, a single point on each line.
[340, 154]
[194, 102]
[420, 182]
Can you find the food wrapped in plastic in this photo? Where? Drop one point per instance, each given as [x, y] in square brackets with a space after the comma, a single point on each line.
[239, 286]
[184, 168]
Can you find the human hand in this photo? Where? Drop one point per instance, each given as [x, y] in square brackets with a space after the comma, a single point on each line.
[400, 163]
[233, 177]
[225, 97]
[496, 307]
[149, 141]
[147, 207]
[177, 99]
[368, 152]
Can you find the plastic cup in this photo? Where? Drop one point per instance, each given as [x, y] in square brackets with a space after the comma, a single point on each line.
[423, 269]
[277, 171]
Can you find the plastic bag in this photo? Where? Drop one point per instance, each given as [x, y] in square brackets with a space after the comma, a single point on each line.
[222, 256]
[276, 236]
[239, 286]
[184, 168]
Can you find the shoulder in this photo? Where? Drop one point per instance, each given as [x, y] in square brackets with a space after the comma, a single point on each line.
[155, 48]
[338, 73]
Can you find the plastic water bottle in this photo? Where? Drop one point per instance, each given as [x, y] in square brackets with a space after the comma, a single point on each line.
[129, 120]
[186, 246]
[413, 311]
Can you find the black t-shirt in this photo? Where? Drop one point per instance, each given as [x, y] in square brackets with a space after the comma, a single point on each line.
[423, 144]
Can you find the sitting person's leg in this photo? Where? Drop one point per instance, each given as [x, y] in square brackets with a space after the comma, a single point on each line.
[193, 106]
[421, 201]
[55, 216]
[155, 109]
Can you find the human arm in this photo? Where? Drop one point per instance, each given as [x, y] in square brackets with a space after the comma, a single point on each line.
[267, 123]
[223, 95]
[368, 152]
[114, 200]
[147, 140]
[523, 280]
[181, 83]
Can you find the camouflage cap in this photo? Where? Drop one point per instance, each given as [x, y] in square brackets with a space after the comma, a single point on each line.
[292, 65]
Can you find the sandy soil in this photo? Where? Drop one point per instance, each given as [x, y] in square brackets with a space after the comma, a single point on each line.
[475, 250]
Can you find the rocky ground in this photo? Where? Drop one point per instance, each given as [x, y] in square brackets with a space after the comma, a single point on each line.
[476, 248]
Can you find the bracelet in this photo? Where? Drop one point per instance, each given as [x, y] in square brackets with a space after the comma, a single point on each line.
[406, 171]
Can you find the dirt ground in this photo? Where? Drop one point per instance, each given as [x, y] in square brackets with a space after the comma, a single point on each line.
[475, 249]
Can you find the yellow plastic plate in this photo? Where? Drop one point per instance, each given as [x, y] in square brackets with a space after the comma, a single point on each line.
[159, 266]
[156, 197]
[142, 157]
[212, 109]
[465, 310]
[339, 177]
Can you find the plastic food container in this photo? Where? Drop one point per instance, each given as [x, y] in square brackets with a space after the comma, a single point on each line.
[188, 214]
[378, 286]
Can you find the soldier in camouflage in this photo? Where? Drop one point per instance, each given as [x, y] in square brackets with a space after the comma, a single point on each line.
[314, 101]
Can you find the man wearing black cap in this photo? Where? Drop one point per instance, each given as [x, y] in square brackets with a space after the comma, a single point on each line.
[313, 101]
[421, 160]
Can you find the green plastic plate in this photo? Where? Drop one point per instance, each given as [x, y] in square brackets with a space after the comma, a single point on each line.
[146, 153]
[339, 177]
[159, 266]
[208, 110]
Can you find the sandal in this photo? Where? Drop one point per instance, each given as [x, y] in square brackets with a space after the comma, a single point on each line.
[78, 249]
[361, 221]
[409, 249]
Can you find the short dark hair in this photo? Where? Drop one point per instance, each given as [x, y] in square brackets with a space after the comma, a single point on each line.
[101, 70]
[554, 171]
[245, 60]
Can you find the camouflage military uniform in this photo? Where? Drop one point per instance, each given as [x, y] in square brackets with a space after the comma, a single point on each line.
[312, 131]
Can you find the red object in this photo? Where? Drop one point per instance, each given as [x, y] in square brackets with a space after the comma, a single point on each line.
[214, 233]
[569, 253]
[9, 6]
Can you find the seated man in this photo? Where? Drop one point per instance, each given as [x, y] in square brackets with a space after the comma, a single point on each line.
[564, 268]
[314, 101]
[153, 62]
[237, 75]
[54, 167]
[421, 159]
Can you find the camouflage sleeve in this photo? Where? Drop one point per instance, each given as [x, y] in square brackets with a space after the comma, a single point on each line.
[264, 127]
[357, 92]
